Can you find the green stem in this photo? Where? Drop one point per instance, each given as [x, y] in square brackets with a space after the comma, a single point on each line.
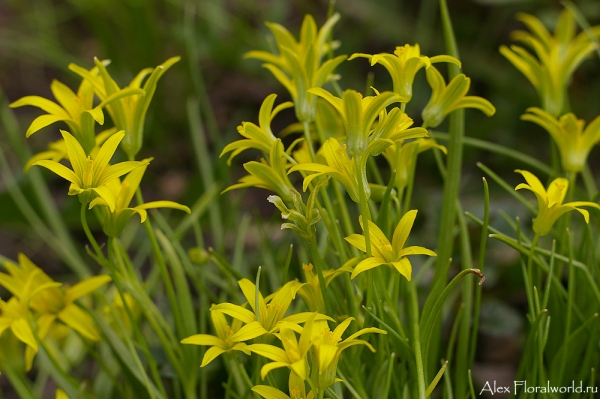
[364, 206]
[334, 228]
[112, 252]
[532, 283]
[89, 234]
[319, 266]
[414, 315]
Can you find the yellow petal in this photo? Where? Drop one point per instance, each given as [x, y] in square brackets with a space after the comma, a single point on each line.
[42, 121]
[204, 339]
[404, 267]
[85, 287]
[235, 311]
[268, 392]
[248, 332]
[270, 352]
[23, 332]
[211, 354]
[79, 321]
[403, 230]
[60, 170]
[367, 264]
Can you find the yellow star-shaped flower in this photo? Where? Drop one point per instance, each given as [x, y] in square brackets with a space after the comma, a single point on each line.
[393, 254]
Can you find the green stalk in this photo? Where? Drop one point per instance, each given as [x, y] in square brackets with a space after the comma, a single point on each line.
[481, 265]
[205, 165]
[570, 300]
[320, 266]
[140, 340]
[364, 207]
[90, 236]
[463, 349]
[414, 320]
[451, 188]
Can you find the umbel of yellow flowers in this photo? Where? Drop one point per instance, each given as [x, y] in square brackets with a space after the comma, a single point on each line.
[550, 202]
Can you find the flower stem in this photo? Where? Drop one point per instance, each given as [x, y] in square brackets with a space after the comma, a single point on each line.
[414, 315]
[90, 236]
[319, 265]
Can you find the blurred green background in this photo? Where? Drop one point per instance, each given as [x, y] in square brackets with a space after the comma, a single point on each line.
[39, 38]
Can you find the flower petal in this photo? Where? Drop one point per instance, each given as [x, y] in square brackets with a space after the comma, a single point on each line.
[79, 321]
[42, 121]
[268, 392]
[367, 264]
[60, 170]
[248, 332]
[270, 352]
[85, 287]
[404, 267]
[204, 339]
[235, 311]
[107, 150]
[403, 230]
[211, 354]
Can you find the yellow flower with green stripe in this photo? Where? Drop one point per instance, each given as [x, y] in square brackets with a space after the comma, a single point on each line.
[550, 202]
[393, 254]
[120, 193]
[129, 112]
[447, 98]
[297, 66]
[89, 176]
[34, 290]
[403, 66]
[221, 343]
[267, 315]
[573, 142]
[260, 137]
[558, 56]
[75, 109]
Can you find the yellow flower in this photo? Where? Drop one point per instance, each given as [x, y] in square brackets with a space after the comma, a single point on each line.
[294, 352]
[13, 315]
[90, 175]
[358, 114]
[60, 394]
[76, 110]
[297, 389]
[121, 194]
[557, 57]
[393, 254]
[402, 156]
[129, 112]
[298, 65]
[447, 98]
[43, 295]
[33, 289]
[57, 150]
[222, 342]
[327, 347]
[311, 292]
[339, 166]
[270, 176]
[268, 315]
[550, 203]
[403, 65]
[260, 137]
[573, 142]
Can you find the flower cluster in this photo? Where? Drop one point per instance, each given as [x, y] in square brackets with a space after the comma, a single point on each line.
[93, 178]
[38, 302]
